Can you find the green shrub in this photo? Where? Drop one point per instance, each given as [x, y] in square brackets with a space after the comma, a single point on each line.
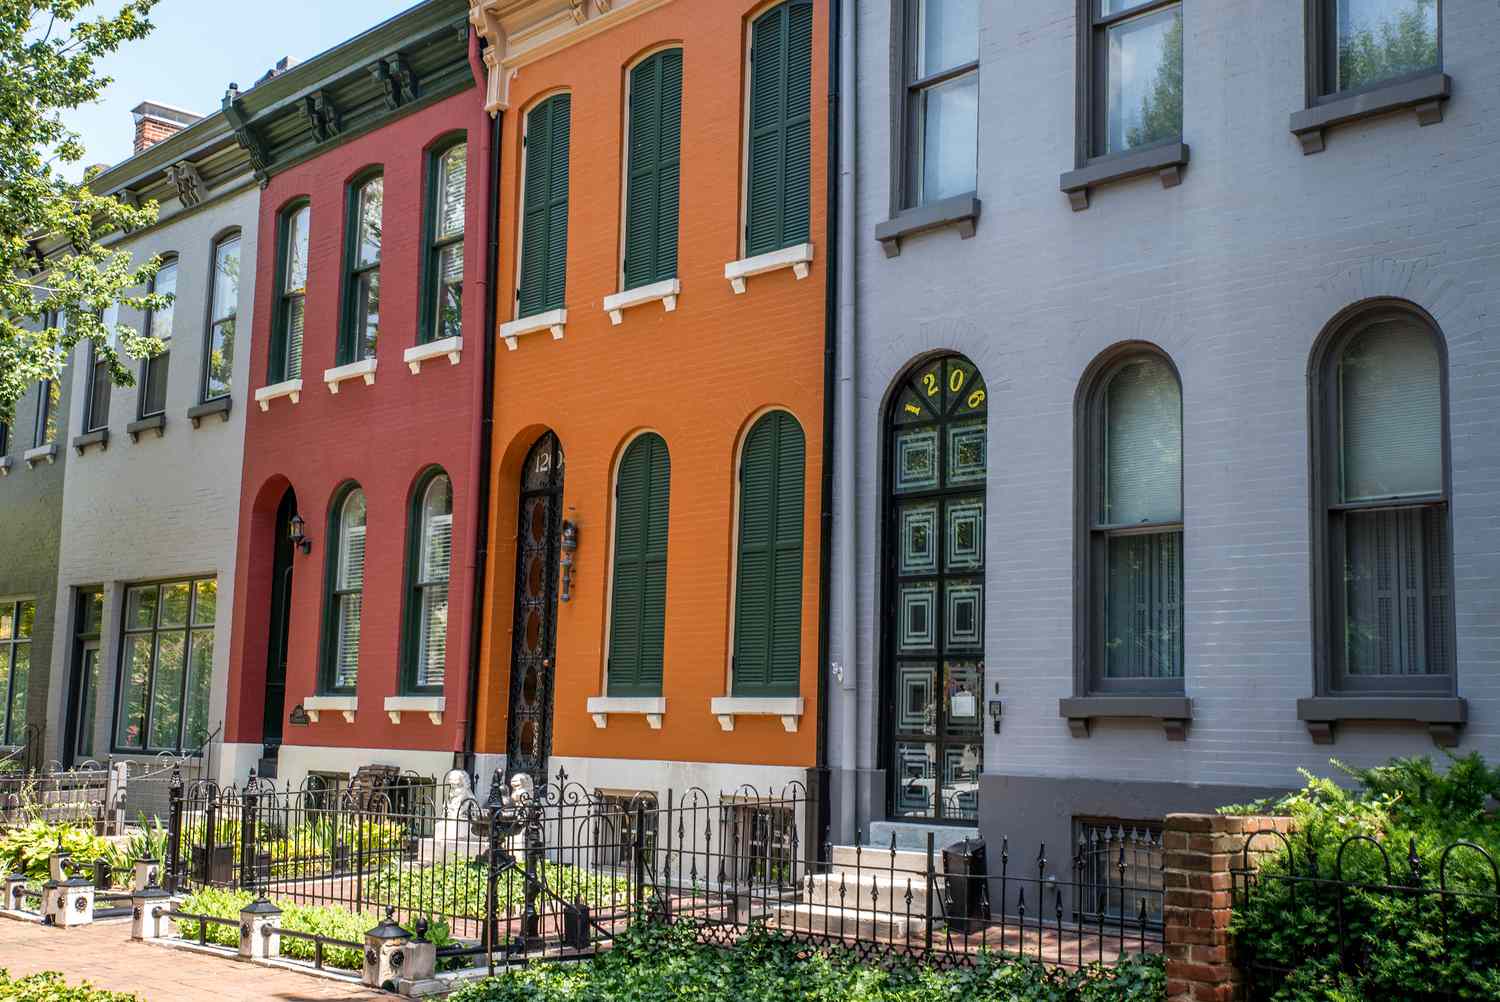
[49, 986]
[336, 923]
[1398, 944]
[25, 850]
[661, 962]
[458, 888]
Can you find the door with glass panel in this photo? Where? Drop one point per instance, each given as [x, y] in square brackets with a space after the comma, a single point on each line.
[83, 684]
[534, 639]
[934, 597]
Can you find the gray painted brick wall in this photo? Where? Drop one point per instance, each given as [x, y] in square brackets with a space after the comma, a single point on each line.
[1233, 274]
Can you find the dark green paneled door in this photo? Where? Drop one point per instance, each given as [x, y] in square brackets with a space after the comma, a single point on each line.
[934, 593]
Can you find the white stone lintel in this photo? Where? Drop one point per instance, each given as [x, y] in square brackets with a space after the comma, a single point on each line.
[363, 369]
[286, 388]
[552, 320]
[418, 353]
[433, 706]
[788, 708]
[664, 292]
[798, 257]
[653, 708]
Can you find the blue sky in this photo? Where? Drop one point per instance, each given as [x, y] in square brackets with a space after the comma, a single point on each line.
[198, 47]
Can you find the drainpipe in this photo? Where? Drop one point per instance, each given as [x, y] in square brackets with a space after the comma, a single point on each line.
[487, 412]
[845, 534]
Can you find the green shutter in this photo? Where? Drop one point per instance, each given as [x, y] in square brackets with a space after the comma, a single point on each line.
[768, 589]
[780, 175]
[655, 169]
[638, 604]
[544, 229]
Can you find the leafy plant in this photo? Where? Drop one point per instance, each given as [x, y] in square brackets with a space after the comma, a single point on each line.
[335, 923]
[458, 888]
[148, 841]
[26, 849]
[49, 986]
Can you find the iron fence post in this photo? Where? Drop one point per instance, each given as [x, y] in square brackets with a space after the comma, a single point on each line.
[931, 876]
[249, 802]
[638, 857]
[492, 855]
[531, 921]
[174, 831]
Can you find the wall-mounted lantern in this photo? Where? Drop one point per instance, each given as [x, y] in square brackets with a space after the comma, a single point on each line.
[995, 714]
[569, 547]
[296, 531]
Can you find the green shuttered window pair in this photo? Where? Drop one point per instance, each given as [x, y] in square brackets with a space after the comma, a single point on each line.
[768, 587]
[638, 604]
[780, 172]
[655, 169]
[544, 227]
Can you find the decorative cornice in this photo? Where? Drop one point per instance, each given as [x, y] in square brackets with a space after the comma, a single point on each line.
[322, 116]
[189, 183]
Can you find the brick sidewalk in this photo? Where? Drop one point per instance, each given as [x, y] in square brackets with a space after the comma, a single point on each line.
[104, 955]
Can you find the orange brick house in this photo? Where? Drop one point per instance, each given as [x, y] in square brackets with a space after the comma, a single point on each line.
[653, 566]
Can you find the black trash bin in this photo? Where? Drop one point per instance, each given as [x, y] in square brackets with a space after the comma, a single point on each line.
[966, 889]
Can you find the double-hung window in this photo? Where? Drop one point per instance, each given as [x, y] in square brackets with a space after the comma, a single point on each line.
[654, 169]
[101, 385]
[346, 585]
[1133, 68]
[362, 283]
[445, 253]
[153, 396]
[544, 226]
[291, 306]
[779, 182]
[1356, 45]
[49, 402]
[942, 99]
[224, 307]
[166, 666]
[638, 594]
[429, 566]
[16, 622]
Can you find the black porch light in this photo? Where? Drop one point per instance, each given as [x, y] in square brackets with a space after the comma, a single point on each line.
[296, 533]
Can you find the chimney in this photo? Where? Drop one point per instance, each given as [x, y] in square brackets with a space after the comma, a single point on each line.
[282, 65]
[155, 122]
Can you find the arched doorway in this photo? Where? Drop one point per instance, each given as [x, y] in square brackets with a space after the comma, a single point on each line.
[276, 641]
[534, 639]
[934, 591]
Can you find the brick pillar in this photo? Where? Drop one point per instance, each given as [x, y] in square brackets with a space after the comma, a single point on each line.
[1201, 850]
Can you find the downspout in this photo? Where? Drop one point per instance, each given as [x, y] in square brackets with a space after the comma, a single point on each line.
[847, 484]
[487, 410]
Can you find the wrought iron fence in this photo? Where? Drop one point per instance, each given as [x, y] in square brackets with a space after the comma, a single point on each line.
[1409, 927]
[561, 870]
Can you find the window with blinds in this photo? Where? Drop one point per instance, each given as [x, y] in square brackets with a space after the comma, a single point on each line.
[768, 580]
[654, 169]
[638, 596]
[362, 281]
[346, 592]
[448, 180]
[779, 176]
[427, 604]
[224, 307]
[286, 354]
[153, 398]
[544, 225]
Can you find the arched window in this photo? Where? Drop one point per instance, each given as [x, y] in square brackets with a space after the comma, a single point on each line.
[654, 169]
[428, 566]
[362, 271]
[224, 308]
[291, 283]
[1380, 458]
[153, 397]
[1130, 609]
[447, 180]
[542, 284]
[768, 579]
[937, 464]
[346, 584]
[638, 592]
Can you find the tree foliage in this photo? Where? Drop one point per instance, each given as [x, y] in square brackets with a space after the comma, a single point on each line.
[1161, 107]
[1394, 47]
[49, 55]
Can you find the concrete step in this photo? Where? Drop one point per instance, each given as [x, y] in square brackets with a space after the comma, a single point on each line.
[831, 920]
[876, 858]
[889, 891]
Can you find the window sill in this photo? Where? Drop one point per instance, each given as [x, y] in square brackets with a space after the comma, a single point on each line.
[317, 705]
[1165, 161]
[363, 369]
[1174, 712]
[41, 454]
[156, 423]
[417, 354]
[221, 407]
[81, 443]
[788, 708]
[288, 388]
[797, 257]
[552, 320]
[433, 706]
[653, 708]
[1425, 95]
[664, 292]
[4, 466]
[1443, 715]
[960, 212]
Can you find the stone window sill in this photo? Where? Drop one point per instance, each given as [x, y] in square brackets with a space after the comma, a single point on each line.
[363, 369]
[1165, 161]
[553, 320]
[156, 423]
[4, 466]
[41, 454]
[1443, 715]
[221, 407]
[317, 705]
[81, 443]
[960, 212]
[653, 708]
[1424, 95]
[664, 292]
[788, 708]
[433, 706]
[414, 356]
[1174, 712]
[798, 257]
[291, 388]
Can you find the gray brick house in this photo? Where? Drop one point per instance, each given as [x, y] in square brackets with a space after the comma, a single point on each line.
[1168, 455]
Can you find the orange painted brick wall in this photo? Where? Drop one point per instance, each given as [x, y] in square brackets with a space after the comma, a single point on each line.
[697, 376]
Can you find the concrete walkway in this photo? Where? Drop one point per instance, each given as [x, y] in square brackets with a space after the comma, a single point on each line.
[104, 955]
